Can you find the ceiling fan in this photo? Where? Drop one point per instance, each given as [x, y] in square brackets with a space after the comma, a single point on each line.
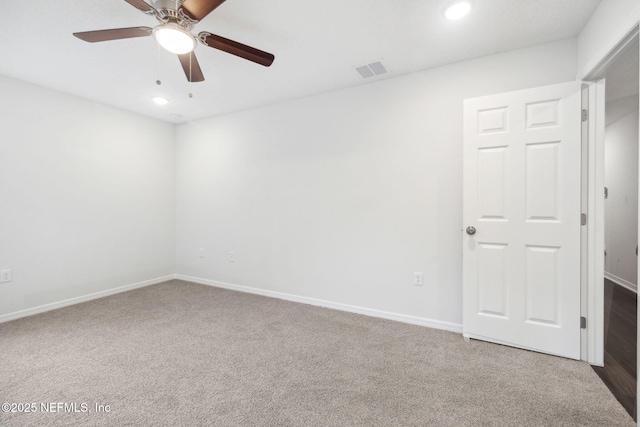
[176, 18]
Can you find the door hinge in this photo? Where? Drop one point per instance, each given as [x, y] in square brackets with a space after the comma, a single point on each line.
[583, 219]
[585, 115]
[583, 322]
[606, 193]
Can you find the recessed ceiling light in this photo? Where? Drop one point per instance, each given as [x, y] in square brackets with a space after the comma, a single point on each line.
[457, 10]
[160, 100]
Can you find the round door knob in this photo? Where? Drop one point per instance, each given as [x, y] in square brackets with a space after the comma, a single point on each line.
[471, 230]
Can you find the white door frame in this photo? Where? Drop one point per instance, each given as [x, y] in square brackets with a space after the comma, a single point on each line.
[593, 283]
[593, 286]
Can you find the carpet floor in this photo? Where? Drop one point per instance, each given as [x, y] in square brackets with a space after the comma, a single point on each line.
[183, 354]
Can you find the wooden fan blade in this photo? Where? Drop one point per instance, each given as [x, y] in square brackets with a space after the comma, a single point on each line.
[198, 9]
[113, 34]
[237, 49]
[191, 67]
[141, 5]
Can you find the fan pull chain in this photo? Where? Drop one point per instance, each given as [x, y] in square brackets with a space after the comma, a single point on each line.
[158, 81]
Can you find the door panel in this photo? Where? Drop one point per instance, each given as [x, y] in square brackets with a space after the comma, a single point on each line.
[522, 194]
[542, 181]
[492, 284]
[492, 185]
[541, 284]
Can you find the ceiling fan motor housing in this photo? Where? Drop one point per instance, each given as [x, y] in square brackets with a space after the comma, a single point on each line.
[171, 11]
[167, 4]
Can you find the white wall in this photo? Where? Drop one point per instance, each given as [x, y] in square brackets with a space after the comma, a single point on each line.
[608, 24]
[86, 197]
[621, 208]
[344, 195]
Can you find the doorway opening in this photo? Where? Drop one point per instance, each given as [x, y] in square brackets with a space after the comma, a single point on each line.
[621, 227]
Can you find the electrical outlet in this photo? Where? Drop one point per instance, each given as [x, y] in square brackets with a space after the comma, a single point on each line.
[5, 276]
[201, 252]
[417, 279]
[232, 256]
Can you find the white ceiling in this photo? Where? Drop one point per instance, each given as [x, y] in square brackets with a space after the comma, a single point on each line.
[316, 45]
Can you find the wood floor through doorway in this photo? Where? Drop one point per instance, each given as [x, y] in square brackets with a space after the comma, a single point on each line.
[620, 344]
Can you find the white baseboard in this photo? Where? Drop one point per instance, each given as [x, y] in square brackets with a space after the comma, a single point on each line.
[71, 301]
[621, 282]
[414, 320]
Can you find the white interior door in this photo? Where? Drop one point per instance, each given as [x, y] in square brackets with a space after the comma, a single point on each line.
[522, 160]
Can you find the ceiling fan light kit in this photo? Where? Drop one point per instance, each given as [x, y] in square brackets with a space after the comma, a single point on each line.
[176, 18]
[174, 38]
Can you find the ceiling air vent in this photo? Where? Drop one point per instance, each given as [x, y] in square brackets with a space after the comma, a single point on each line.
[371, 70]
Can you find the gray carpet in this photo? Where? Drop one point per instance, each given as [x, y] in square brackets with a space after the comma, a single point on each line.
[182, 354]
